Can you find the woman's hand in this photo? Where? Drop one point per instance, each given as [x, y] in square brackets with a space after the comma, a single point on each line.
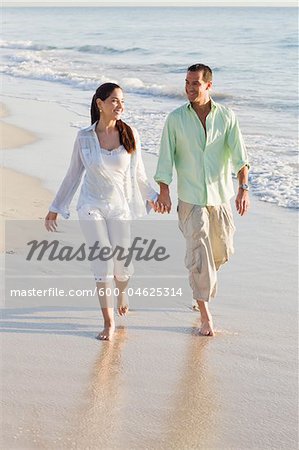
[50, 221]
[153, 204]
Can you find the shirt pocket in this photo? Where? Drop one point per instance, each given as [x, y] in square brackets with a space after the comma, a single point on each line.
[87, 155]
[217, 137]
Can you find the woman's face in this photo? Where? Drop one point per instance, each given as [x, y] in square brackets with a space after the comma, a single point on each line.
[113, 107]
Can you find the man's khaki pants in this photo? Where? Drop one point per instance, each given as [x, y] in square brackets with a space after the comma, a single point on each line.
[208, 231]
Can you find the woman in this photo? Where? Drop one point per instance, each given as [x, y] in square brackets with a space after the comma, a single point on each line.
[115, 189]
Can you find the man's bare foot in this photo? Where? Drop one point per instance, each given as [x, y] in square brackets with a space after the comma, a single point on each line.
[107, 333]
[206, 328]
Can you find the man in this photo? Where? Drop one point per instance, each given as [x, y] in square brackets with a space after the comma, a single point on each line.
[202, 138]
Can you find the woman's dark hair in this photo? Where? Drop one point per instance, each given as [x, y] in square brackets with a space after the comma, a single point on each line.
[126, 135]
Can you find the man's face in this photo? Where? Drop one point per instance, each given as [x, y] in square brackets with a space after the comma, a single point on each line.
[196, 88]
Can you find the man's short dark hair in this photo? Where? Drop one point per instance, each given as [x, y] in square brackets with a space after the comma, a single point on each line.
[207, 74]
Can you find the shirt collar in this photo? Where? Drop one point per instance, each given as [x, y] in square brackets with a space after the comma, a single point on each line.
[213, 104]
[90, 127]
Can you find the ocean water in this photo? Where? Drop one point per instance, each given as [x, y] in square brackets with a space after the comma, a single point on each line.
[63, 54]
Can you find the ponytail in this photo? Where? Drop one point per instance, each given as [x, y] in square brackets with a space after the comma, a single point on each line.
[94, 110]
[126, 136]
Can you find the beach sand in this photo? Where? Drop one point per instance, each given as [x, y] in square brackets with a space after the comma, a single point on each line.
[12, 136]
[23, 197]
[158, 385]
[16, 205]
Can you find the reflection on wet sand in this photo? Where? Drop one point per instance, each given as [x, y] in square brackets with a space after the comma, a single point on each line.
[176, 415]
[190, 424]
[97, 421]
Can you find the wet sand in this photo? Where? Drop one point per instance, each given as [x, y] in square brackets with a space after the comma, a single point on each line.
[159, 385]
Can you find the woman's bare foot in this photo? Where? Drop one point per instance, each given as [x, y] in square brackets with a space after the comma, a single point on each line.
[206, 328]
[107, 333]
[122, 299]
[122, 308]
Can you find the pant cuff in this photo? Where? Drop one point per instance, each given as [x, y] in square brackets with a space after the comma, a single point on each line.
[122, 277]
[103, 279]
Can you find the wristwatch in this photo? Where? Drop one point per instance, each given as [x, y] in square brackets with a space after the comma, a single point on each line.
[244, 186]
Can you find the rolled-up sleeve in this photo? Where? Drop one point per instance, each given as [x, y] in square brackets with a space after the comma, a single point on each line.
[69, 184]
[164, 169]
[237, 148]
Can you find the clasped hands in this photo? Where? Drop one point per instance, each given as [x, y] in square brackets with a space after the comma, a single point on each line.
[162, 204]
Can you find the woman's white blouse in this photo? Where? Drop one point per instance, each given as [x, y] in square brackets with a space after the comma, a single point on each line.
[117, 161]
[125, 186]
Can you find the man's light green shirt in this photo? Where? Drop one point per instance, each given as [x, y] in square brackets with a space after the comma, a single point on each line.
[204, 163]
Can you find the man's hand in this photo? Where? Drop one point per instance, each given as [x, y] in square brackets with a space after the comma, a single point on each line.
[242, 201]
[163, 203]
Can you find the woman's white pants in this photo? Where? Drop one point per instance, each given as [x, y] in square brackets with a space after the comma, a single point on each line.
[102, 229]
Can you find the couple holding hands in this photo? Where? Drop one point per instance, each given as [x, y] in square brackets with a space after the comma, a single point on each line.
[203, 140]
